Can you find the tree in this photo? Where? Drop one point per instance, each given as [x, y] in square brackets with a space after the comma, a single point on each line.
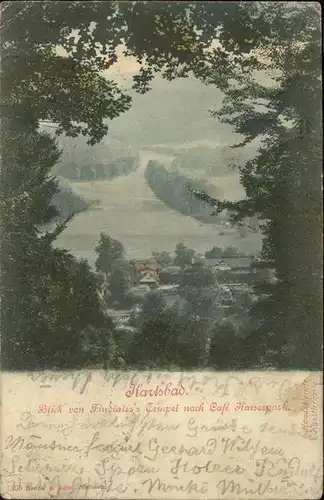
[183, 255]
[163, 258]
[225, 346]
[197, 275]
[53, 55]
[283, 182]
[67, 202]
[214, 253]
[88, 35]
[108, 250]
[102, 348]
[34, 276]
[153, 306]
[87, 173]
[199, 287]
[156, 346]
[120, 280]
[40, 83]
[167, 338]
[218, 252]
[173, 190]
[48, 298]
[231, 252]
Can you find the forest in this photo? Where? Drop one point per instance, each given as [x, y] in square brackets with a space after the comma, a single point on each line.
[52, 316]
[190, 325]
[220, 161]
[173, 189]
[95, 172]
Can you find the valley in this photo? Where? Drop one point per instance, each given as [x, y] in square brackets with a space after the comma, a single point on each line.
[129, 211]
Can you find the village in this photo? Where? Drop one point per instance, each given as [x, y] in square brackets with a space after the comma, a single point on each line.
[233, 284]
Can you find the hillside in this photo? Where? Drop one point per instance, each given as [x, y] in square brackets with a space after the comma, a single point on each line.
[173, 189]
[172, 120]
[79, 160]
[130, 212]
[210, 160]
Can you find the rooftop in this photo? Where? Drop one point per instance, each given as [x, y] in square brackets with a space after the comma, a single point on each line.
[233, 262]
[172, 269]
[148, 279]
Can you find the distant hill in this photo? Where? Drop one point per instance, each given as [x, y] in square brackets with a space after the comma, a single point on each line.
[172, 118]
[221, 159]
[94, 171]
[79, 161]
[78, 156]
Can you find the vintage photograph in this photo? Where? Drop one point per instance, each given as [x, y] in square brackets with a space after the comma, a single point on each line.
[161, 250]
[161, 186]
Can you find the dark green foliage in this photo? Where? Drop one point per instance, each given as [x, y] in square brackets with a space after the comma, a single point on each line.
[41, 286]
[176, 192]
[120, 280]
[47, 296]
[153, 306]
[214, 253]
[193, 343]
[102, 347]
[121, 166]
[283, 183]
[108, 250]
[197, 275]
[87, 173]
[102, 171]
[183, 255]
[150, 345]
[162, 258]
[38, 83]
[219, 252]
[156, 346]
[167, 338]
[170, 276]
[226, 347]
[48, 299]
[199, 287]
[67, 202]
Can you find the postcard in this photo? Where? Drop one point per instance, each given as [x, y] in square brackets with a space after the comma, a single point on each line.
[161, 250]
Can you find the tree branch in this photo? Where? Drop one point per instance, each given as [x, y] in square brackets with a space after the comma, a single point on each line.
[50, 237]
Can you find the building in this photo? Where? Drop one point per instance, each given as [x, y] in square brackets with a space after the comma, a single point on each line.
[230, 263]
[120, 316]
[233, 269]
[144, 266]
[150, 279]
